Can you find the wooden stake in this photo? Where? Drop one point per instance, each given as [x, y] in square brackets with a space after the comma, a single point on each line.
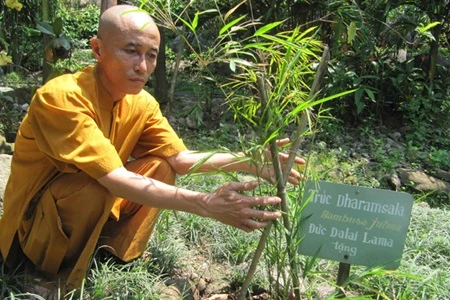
[343, 273]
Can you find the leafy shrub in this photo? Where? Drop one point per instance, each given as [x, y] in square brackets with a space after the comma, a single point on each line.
[11, 115]
[80, 24]
[18, 37]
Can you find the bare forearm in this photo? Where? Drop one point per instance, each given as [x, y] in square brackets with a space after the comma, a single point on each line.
[147, 191]
[228, 162]
[227, 204]
[188, 161]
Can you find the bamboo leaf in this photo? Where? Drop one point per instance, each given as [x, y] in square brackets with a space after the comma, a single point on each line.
[202, 161]
[232, 23]
[241, 62]
[308, 104]
[266, 28]
[261, 45]
[232, 65]
[195, 21]
[188, 25]
[231, 11]
[193, 26]
[307, 31]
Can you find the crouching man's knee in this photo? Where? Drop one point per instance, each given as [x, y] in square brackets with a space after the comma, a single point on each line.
[152, 166]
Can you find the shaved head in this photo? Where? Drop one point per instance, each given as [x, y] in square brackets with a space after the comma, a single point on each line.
[120, 18]
[126, 49]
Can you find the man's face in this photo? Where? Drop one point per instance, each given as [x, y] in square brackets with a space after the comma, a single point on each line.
[127, 59]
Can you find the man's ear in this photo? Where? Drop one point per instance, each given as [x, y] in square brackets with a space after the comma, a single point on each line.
[96, 46]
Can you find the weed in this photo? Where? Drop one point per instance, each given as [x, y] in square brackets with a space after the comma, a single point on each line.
[11, 114]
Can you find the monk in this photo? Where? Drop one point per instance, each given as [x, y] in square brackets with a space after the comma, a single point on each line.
[95, 161]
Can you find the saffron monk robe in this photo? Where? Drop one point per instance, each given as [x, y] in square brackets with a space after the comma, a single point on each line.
[73, 186]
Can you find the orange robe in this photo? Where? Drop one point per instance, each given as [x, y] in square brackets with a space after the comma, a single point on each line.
[73, 134]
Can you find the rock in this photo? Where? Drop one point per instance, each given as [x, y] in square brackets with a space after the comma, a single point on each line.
[396, 136]
[441, 174]
[218, 297]
[201, 285]
[394, 144]
[355, 155]
[5, 147]
[336, 175]
[192, 122]
[422, 181]
[5, 167]
[170, 293]
[393, 181]
[179, 288]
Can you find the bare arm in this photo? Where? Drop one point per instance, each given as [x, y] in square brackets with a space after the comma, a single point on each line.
[226, 204]
[183, 162]
[230, 162]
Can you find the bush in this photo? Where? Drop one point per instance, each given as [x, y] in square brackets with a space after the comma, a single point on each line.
[80, 24]
[16, 37]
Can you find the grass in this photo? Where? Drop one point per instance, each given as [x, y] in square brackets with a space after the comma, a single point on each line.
[187, 251]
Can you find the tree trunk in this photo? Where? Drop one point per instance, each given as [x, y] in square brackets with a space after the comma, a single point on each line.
[173, 81]
[433, 54]
[47, 67]
[161, 85]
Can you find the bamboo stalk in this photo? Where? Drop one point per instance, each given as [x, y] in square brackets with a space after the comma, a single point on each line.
[281, 181]
[305, 118]
[252, 269]
[281, 192]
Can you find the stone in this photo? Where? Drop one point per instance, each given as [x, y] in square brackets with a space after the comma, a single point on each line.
[179, 288]
[5, 147]
[5, 168]
[394, 181]
[422, 181]
[442, 174]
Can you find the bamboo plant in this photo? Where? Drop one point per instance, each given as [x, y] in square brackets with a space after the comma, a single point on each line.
[271, 92]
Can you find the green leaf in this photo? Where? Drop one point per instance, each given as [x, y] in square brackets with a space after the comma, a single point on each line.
[232, 23]
[45, 27]
[308, 104]
[233, 65]
[266, 28]
[370, 93]
[57, 26]
[423, 29]
[241, 62]
[188, 25]
[351, 32]
[260, 46]
[192, 26]
[32, 31]
[359, 104]
[195, 21]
